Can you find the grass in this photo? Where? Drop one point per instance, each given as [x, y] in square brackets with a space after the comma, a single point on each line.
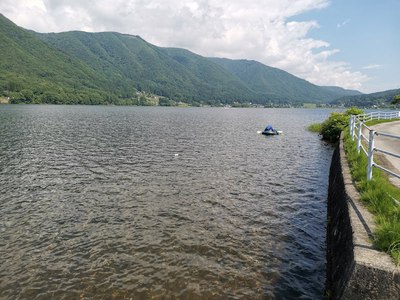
[374, 122]
[380, 196]
[315, 127]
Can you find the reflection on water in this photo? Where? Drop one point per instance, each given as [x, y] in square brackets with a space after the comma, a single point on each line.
[134, 202]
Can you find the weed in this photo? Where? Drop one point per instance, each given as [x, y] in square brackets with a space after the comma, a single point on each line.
[381, 198]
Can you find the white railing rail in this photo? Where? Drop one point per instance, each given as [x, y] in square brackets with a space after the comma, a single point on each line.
[357, 126]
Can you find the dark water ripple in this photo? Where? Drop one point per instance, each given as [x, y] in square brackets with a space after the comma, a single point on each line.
[130, 202]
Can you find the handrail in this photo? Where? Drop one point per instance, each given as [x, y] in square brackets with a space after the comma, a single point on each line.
[358, 122]
[388, 135]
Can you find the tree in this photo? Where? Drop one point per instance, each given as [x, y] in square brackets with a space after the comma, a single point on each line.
[396, 99]
[333, 126]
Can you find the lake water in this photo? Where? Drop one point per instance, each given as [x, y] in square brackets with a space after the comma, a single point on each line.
[104, 202]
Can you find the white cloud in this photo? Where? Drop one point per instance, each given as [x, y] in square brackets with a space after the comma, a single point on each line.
[372, 66]
[252, 29]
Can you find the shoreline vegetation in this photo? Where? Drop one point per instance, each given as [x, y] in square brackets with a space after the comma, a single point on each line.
[331, 128]
[377, 194]
[146, 99]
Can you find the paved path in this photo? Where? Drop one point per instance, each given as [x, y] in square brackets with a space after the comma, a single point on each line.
[389, 144]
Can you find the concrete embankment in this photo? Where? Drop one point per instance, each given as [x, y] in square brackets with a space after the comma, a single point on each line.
[355, 269]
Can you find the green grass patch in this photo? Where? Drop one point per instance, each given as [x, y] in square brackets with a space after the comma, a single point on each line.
[309, 105]
[375, 122]
[315, 127]
[380, 196]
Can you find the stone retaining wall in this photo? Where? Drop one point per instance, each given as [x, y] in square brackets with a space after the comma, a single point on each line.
[355, 269]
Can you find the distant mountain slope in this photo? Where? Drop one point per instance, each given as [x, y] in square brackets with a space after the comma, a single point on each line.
[213, 77]
[368, 100]
[279, 84]
[31, 69]
[150, 68]
[341, 91]
[109, 67]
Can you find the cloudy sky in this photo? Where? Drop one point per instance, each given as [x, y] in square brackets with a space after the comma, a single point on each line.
[349, 43]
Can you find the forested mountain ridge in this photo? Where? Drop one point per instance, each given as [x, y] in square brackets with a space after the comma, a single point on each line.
[344, 92]
[33, 70]
[369, 100]
[150, 68]
[114, 68]
[281, 84]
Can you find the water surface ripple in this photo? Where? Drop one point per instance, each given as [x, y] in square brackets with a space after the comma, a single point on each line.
[136, 202]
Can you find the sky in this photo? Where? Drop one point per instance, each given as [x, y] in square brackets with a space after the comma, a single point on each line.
[353, 44]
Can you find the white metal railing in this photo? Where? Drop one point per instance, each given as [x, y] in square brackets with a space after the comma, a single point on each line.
[357, 126]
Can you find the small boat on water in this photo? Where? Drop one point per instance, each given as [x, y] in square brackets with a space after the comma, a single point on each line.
[269, 130]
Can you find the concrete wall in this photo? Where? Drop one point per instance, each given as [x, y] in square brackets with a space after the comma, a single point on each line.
[355, 269]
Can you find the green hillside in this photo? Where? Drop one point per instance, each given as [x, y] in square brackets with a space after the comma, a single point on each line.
[341, 91]
[160, 71]
[279, 85]
[32, 71]
[378, 99]
[114, 68]
[214, 78]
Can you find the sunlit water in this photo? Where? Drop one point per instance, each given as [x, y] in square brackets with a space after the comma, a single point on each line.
[135, 202]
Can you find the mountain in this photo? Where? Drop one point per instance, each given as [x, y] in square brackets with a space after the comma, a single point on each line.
[109, 67]
[162, 71]
[368, 100]
[341, 91]
[33, 70]
[277, 84]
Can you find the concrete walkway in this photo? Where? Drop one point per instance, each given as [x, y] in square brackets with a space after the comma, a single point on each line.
[391, 145]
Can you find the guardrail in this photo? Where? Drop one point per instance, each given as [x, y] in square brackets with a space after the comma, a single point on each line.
[357, 123]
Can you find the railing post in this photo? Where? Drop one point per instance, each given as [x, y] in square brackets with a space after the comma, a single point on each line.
[360, 125]
[351, 126]
[371, 147]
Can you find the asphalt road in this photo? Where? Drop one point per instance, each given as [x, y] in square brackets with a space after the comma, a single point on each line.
[389, 144]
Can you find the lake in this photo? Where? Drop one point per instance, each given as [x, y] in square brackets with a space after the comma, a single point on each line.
[102, 202]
